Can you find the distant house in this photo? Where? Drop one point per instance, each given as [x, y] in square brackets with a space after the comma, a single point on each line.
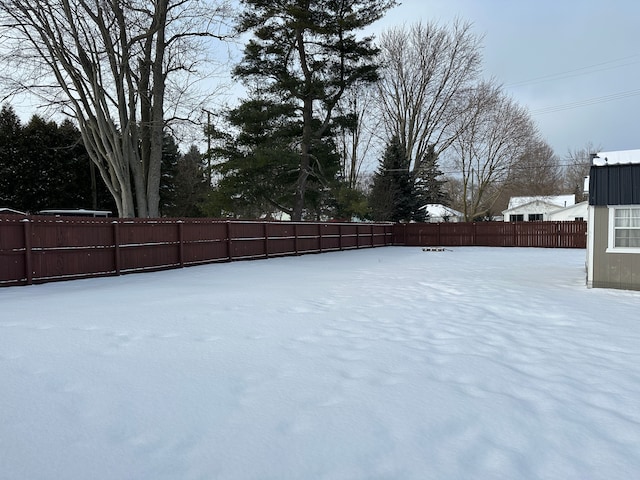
[438, 213]
[536, 209]
[613, 234]
[572, 213]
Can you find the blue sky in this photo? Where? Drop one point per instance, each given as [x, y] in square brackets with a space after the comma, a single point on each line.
[574, 64]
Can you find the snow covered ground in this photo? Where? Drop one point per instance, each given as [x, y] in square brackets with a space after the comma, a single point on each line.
[387, 363]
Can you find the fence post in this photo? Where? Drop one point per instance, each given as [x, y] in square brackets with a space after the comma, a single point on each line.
[180, 242]
[320, 237]
[357, 236]
[229, 254]
[340, 226]
[116, 246]
[28, 260]
[266, 239]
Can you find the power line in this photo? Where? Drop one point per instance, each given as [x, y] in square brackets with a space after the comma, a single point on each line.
[585, 103]
[577, 71]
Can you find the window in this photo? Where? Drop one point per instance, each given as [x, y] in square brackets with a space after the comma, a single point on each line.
[624, 228]
[516, 218]
[535, 217]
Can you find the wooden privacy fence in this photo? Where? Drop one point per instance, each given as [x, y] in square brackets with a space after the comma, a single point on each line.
[39, 249]
[494, 234]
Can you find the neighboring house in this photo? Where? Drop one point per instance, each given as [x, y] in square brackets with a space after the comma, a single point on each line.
[536, 209]
[438, 213]
[579, 211]
[613, 238]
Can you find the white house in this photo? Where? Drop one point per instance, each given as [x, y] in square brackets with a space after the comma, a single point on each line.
[579, 211]
[535, 209]
[438, 213]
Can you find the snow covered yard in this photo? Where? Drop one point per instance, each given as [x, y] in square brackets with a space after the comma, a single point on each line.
[392, 363]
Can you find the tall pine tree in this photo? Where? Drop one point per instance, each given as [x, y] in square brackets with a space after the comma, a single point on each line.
[429, 184]
[392, 194]
[307, 54]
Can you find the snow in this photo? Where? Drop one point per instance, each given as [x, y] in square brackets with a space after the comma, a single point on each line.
[556, 200]
[617, 157]
[386, 363]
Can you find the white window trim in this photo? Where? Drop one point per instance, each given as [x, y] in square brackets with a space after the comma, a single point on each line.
[611, 248]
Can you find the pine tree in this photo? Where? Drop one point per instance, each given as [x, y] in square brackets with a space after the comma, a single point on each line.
[257, 167]
[190, 186]
[10, 154]
[429, 184]
[392, 194]
[44, 165]
[306, 54]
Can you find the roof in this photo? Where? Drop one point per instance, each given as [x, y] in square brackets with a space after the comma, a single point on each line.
[616, 184]
[10, 211]
[616, 157]
[441, 211]
[559, 200]
[577, 206]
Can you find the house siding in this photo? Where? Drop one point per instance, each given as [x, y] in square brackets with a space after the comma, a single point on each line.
[611, 270]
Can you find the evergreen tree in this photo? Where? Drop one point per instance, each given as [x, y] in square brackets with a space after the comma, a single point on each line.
[306, 54]
[10, 155]
[257, 167]
[392, 194]
[44, 165]
[190, 185]
[168, 172]
[429, 184]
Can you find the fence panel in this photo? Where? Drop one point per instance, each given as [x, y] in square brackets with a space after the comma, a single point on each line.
[71, 249]
[282, 239]
[13, 269]
[493, 234]
[204, 241]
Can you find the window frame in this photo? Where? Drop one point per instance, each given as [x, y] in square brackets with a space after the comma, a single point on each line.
[611, 246]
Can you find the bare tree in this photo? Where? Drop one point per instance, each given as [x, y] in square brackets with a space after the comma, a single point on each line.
[576, 168]
[493, 134]
[357, 133]
[428, 68]
[536, 172]
[109, 65]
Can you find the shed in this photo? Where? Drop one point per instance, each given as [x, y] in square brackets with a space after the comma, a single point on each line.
[613, 238]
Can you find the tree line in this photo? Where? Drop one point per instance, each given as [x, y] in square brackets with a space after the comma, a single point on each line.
[321, 102]
[44, 165]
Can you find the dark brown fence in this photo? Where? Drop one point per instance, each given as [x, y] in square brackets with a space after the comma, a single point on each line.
[39, 249]
[494, 234]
